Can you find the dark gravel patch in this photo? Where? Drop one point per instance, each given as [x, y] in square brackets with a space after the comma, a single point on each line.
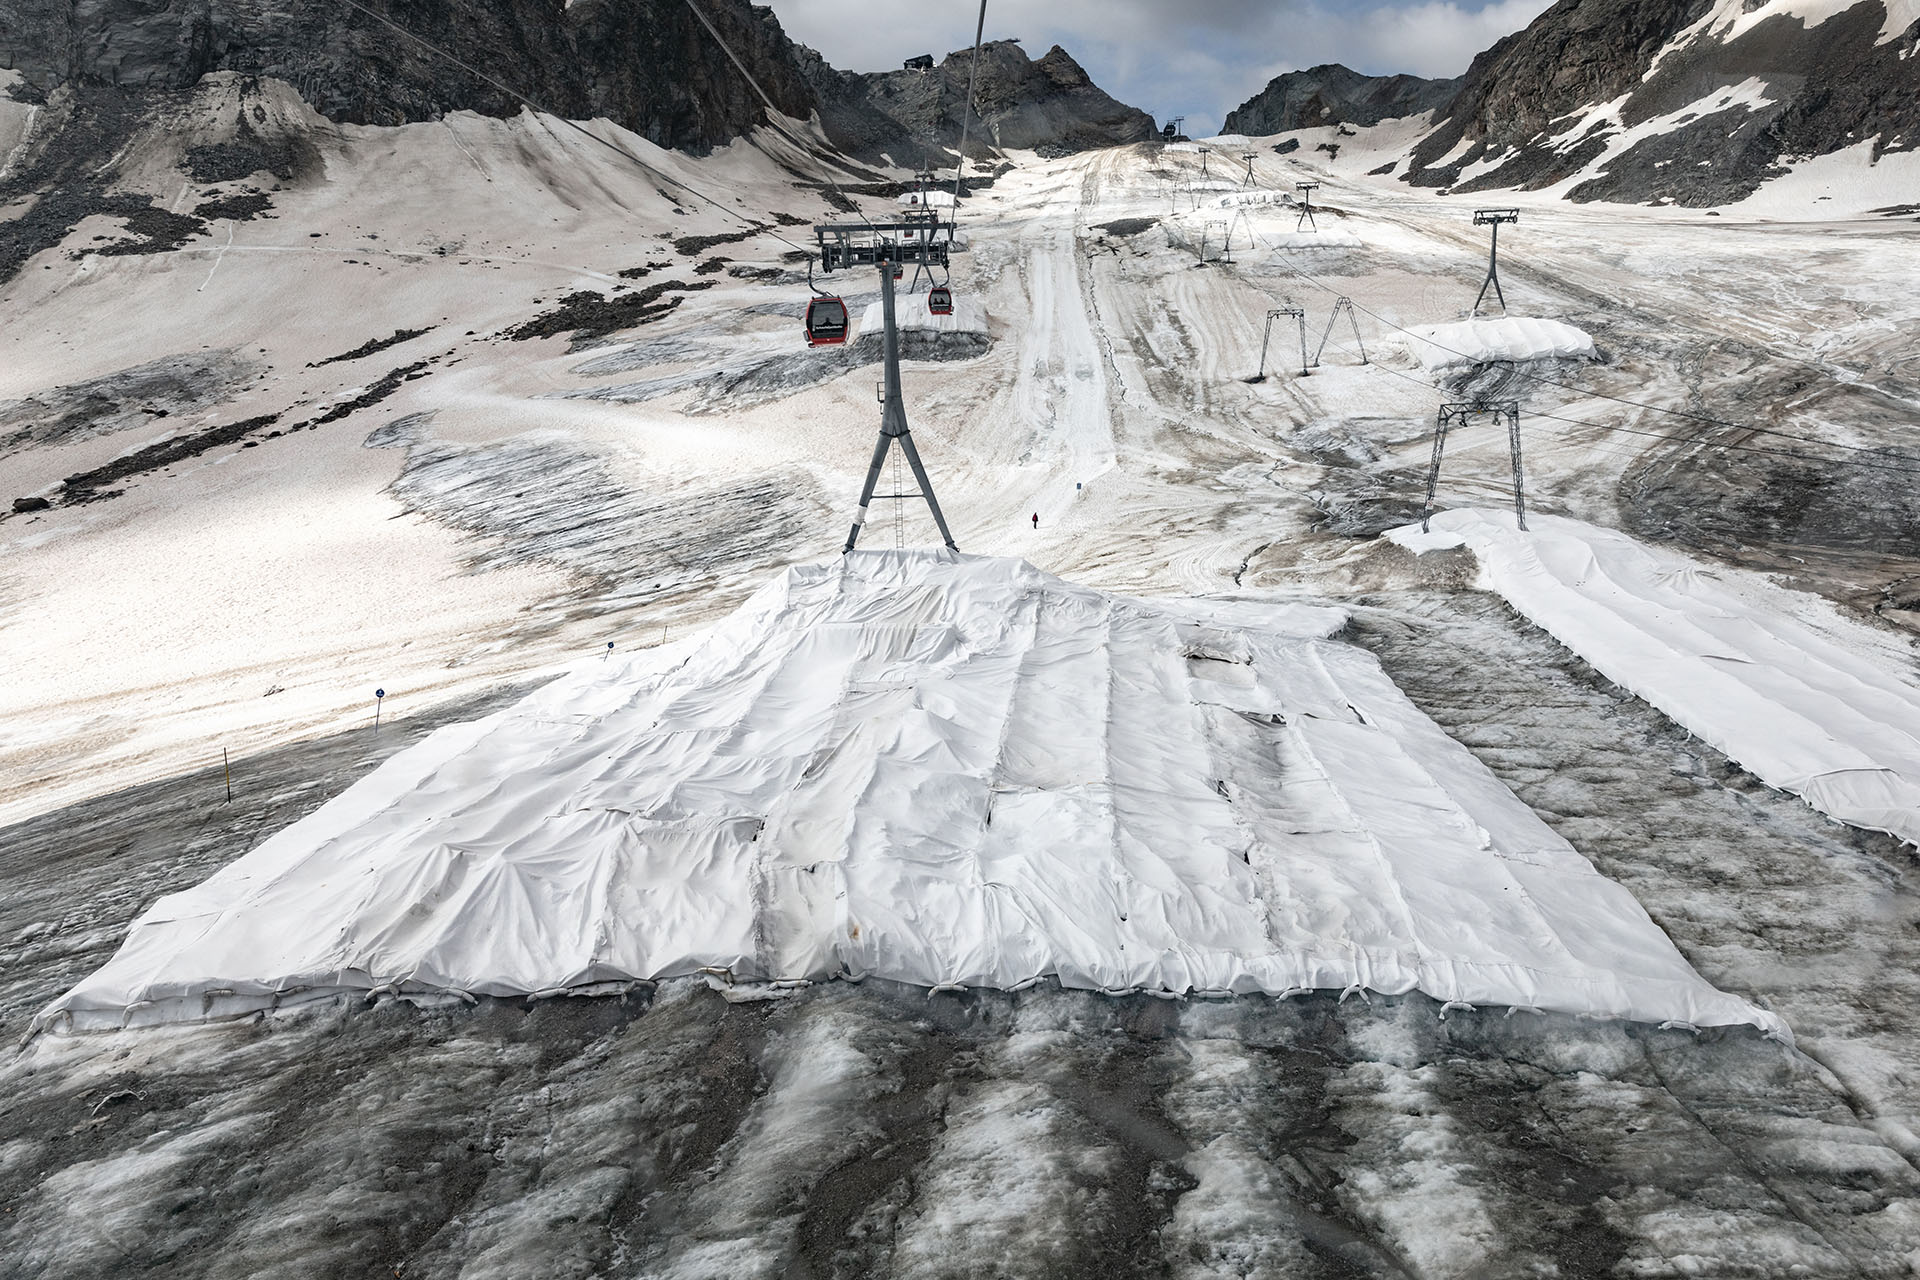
[694, 246]
[244, 206]
[373, 346]
[374, 394]
[595, 315]
[248, 153]
[91, 486]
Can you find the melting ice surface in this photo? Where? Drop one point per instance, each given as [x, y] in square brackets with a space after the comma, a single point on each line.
[937, 769]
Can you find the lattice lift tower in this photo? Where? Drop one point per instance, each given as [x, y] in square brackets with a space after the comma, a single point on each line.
[1306, 219]
[1458, 415]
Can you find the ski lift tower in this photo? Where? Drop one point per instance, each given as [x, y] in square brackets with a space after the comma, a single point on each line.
[1459, 415]
[1493, 218]
[888, 246]
[925, 219]
[1306, 190]
[1249, 157]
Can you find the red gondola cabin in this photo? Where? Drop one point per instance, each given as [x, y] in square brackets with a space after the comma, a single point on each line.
[826, 322]
[940, 300]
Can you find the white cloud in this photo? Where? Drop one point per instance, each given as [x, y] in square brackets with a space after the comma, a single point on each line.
[1200, 58]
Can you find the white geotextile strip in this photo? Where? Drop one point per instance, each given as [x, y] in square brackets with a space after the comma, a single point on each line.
[1806, 700]
[941, 770]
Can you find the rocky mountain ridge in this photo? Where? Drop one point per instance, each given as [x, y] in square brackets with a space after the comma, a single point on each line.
[231, 89]
[1048, 104]
[646, 64]
[1688, 102]
[1333, 94]
[649, 65]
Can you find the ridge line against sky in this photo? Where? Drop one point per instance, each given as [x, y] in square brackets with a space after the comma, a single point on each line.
[1200, 58]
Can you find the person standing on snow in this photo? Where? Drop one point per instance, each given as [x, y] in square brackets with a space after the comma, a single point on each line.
[1036, 521]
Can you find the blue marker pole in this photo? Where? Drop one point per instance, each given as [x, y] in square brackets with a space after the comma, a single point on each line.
[378, 694]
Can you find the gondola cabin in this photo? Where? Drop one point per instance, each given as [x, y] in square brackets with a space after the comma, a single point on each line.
[826, 322]
[940, 300]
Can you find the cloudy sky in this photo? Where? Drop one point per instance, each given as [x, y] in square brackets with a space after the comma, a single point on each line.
[1198, 58]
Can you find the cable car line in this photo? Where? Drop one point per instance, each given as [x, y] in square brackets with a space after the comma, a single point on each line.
[773, 112]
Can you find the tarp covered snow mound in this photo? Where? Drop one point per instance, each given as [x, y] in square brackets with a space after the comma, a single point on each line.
[1806, 700]
[938, 769]
[910, 313]
[1442, 346]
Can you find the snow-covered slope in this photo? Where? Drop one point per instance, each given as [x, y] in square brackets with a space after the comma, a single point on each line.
[1775, 679]
[950, 771]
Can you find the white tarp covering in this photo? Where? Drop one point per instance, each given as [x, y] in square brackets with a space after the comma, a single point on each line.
[1806, 700]
[933, 198]
[937, 769]
[1441, 346]
[910, 312]
[1241, 199]
[1331, 238]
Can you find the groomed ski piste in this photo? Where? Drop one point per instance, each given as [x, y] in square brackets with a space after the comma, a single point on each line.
[948, 771]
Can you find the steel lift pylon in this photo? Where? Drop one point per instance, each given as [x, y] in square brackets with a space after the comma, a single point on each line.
[1299, 316]
[1493, 218]
[1306, 219]
[1457, 415]
[866, 244]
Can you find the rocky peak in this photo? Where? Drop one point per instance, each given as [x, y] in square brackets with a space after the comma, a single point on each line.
[1332, 94]
[914, 117]
[1718, 91]
[646, 63]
